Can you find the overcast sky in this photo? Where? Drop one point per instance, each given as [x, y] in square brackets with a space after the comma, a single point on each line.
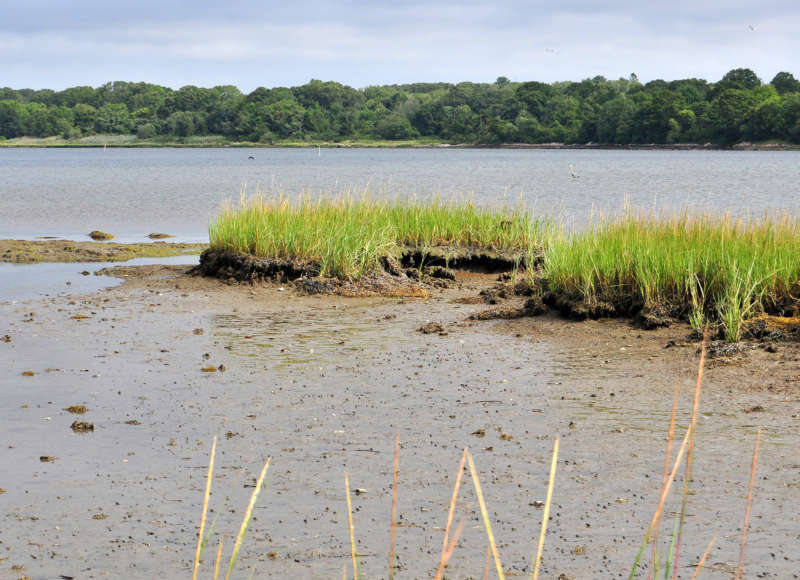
[62, 43]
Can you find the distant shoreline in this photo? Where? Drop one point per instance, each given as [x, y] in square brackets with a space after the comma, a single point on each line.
[115, 142]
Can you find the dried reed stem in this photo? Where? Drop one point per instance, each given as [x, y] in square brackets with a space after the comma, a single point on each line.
[488, 561]
[442, 560]
[703, 559]
[218, 560]
[352, 529]
[485, 514]
[667, 456]
[246, 519]
[394, 505]
[448, 551]
[689, 454]
[546, 514]
[205, 510]
[662, 500]
[746, 524]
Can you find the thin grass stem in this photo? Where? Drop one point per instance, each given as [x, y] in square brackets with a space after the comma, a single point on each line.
[351, 527]
[450, 513]
[206, 497]
[546, 513]
[485, 513]
[703, 559]
[246, 519]
[746, 524]
[394, 505]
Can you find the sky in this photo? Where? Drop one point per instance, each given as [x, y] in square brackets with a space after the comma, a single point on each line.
[61, 43]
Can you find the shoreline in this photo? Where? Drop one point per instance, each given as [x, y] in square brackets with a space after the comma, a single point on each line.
[49, 143]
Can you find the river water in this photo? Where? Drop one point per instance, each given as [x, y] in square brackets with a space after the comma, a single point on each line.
[133, 192]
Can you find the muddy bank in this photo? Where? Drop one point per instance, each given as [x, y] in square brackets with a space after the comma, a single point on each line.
[322, 384]
[413, 272]
[31, 252]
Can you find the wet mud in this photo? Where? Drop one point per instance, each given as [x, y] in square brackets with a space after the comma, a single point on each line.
[322, 383]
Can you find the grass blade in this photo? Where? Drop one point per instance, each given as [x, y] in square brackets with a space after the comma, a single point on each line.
[443, 560]
[546, 514]
[689, 453]
[667, 456]
[394, 505]
[351, 527]
[246, 520]
[485, 514]
[703, 559]
[218, 560]
[746, 524]
[661, 501]
[206, 496]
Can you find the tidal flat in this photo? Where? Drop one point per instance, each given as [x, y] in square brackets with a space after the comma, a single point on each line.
[323, 384]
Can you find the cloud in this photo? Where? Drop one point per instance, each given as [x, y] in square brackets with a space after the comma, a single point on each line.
[360, 42]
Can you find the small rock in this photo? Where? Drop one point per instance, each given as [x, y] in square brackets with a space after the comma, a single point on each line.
[99, 516]
[28, 373]
[133, 422]
[98, 235]
[432, 328]
[82, 426]
[76, 409]
[479, 433]
[198, 331]
[47, 458]
[157, 236]
[209, 369]
[6, 338]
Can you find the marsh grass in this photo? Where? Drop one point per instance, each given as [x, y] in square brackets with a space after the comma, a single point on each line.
[717, 268]
[347, 235]
[706, 269]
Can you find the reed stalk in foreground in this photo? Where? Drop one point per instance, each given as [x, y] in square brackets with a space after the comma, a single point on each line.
[746, 523]
[667, 456]
[350, 527]
[546, 513]
[485, 513]
[690, 454]
[394, 505]
[446, 547]
[246, 520]
[206, 496]
[218, 560]
[703, 558]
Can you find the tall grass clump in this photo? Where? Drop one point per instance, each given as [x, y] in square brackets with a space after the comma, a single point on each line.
[347, 235]
[715, 268]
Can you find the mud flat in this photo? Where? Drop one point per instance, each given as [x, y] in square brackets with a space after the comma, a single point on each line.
[322, 383]
[34, 251]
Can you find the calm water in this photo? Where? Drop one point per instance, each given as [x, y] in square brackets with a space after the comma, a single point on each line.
[133, 192]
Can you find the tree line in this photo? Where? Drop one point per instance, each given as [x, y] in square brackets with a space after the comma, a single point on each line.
[739, 107]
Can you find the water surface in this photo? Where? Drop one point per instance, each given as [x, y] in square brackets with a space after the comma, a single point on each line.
[133, 192]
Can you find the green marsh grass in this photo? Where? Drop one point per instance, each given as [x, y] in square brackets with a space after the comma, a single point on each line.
[706, 269]
[712, 267]
[348, 235]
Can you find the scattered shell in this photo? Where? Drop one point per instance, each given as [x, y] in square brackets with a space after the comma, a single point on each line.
[47, 458]
[76, 409]
[209, 369]
[99, 516]
[198, 331]
[479, 433]
[28, 373]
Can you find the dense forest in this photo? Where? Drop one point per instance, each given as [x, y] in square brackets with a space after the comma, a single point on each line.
[737, 108]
